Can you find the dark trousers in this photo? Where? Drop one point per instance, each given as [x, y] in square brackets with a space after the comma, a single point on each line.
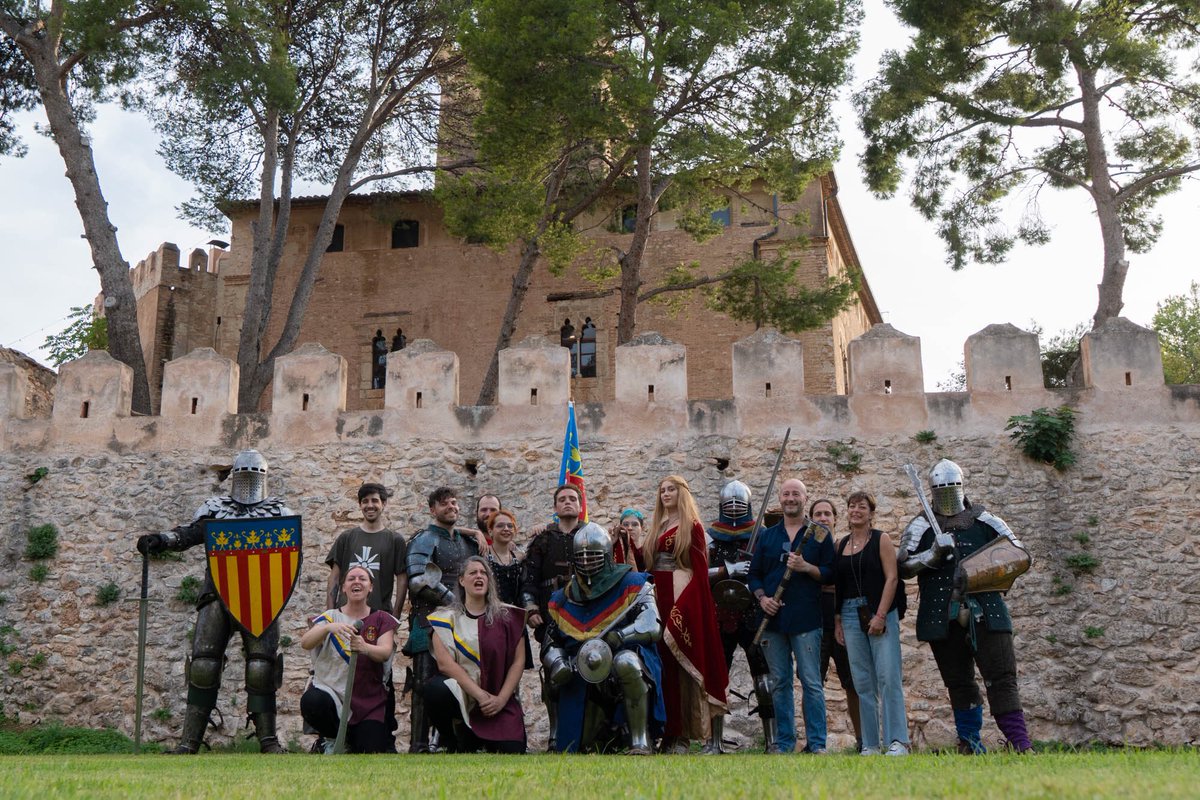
[442, 707]
[830, 649]
[997, 663]
[369, 736]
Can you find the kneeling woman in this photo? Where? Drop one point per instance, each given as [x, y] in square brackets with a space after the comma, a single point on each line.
[332, 638]
[480, 652]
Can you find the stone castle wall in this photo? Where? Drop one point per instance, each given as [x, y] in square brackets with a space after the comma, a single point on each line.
[1111, 655]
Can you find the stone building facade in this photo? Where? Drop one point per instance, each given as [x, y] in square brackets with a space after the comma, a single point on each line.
[1109, 646]
[397, 268]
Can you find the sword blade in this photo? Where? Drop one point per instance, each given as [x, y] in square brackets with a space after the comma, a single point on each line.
[143, 604]
[762, 507]
[916, 482]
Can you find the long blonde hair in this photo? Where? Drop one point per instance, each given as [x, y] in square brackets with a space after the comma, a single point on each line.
[688, 516]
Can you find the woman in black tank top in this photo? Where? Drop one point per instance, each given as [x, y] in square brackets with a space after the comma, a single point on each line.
[870, 601]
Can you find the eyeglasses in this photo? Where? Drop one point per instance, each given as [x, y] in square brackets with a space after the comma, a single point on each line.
[504, 526]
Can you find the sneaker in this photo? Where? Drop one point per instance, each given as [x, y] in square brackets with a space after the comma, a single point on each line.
[820, 751]
[898, 749]
[869, 751]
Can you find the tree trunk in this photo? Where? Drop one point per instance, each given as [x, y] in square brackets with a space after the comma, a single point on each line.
[520, 287]
[631, 262]
[1104, 195]
[120, 308]
[259, 290]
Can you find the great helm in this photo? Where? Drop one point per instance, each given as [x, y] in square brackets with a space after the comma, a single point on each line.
[735, 502]
[946, 485]
[591, 551]
[249, 477]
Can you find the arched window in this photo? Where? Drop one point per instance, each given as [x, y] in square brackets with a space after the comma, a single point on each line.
[587, 349]
[379, 353]
[406, 233]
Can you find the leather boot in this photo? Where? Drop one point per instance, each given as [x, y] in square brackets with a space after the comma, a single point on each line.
[1012, 725]
[264, 729]
[195, 723]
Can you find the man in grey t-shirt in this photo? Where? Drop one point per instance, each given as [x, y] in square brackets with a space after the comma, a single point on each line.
[375, 547]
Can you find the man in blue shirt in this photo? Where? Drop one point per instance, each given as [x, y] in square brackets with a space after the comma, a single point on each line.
[804, 548]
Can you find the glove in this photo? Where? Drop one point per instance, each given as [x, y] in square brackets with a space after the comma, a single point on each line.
[739, 570]
[151, 543]
[614, 640]
[944, 544]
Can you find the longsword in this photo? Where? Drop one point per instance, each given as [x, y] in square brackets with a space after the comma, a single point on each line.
[339, 745]
[143, 606]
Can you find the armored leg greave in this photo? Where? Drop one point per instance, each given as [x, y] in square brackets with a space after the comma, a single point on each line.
[766, 710]
[264, 728]
[550, 698]
[968, 723]
[1012, 725]
[423, 669]
[628, 669]
[195, 723]
[713, 747]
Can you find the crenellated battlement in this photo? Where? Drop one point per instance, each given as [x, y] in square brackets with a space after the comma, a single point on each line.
[1121, 365]
[1084, 635]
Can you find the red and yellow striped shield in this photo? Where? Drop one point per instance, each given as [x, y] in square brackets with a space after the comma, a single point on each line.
[254, 563]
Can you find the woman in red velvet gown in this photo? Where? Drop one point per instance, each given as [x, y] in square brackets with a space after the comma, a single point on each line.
[694, 672]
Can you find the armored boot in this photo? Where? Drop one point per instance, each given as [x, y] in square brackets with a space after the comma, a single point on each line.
[713, 746]
[1012, 725]
[195, 723]
[968, 723]
[418, 735]
[628, 669]
[264, 729]
[766, 712]
[552, 715]
[419, 722]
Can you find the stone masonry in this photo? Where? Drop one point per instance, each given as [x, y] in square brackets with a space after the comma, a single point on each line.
[1108, 652]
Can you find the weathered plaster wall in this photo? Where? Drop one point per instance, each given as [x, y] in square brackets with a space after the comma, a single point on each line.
[1115, 658]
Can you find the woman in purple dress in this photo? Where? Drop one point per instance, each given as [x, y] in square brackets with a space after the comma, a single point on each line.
[480, 652]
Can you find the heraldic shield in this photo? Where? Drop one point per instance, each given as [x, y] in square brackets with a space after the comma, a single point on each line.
[254, 564]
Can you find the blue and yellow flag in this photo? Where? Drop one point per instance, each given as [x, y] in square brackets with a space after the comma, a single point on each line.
[571, 470]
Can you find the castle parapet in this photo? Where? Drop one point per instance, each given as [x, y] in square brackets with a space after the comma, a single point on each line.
[887, 384]
[14, 388]
[1121, 362]
[651, 369]
[92, 393]
[768, 365]
[1003, 358]
[536, 372]
[421, 376]
[1121, 355]
[308, 392]
[199, 392]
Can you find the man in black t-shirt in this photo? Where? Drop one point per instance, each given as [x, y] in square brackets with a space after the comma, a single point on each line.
[375, 547]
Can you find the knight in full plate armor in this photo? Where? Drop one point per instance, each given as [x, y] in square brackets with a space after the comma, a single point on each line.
[964, 631]
[600, 652]
[214, 624]
[434, 562]
[738, 615]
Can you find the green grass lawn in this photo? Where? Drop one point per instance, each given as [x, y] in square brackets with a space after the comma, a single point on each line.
[1122, 774]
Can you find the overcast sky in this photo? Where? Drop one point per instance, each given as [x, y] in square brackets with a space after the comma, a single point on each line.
[46, 265]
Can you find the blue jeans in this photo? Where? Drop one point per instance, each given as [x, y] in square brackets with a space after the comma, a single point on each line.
[875, 665]
[778, 648]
